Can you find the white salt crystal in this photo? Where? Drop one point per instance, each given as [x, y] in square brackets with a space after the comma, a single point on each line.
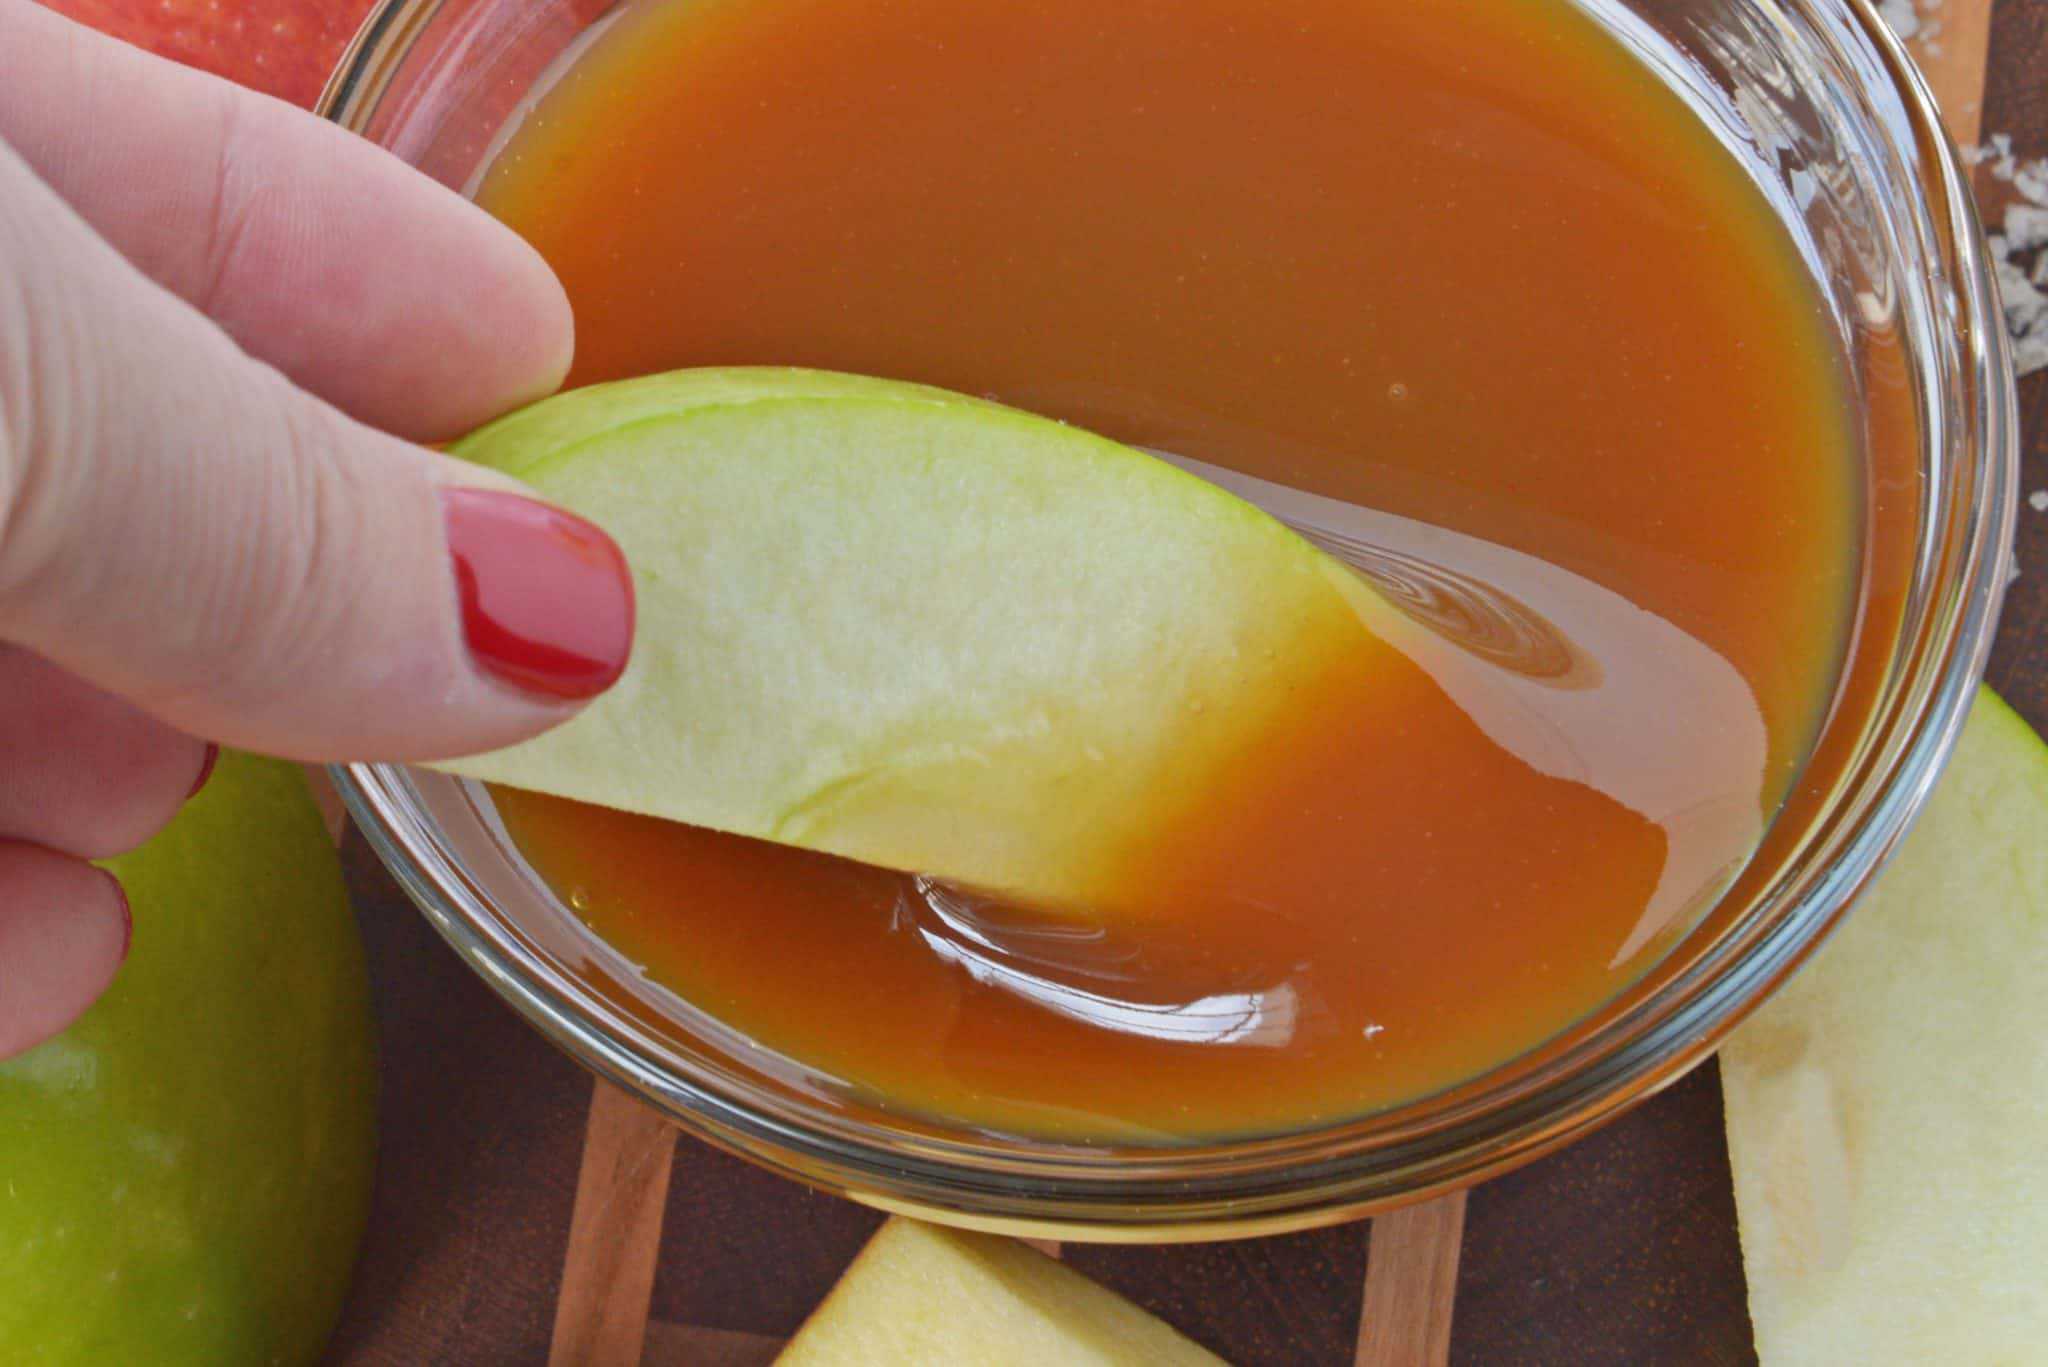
[2024, 234]
[2026, 228]
[1995, 155]
[2031, 180]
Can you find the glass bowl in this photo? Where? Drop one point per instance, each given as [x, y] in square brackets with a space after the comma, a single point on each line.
[1818, 98]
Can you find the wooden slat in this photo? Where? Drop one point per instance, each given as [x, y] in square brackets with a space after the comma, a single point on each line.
[614, 1234]
[1952, 55]
[1411, 1281]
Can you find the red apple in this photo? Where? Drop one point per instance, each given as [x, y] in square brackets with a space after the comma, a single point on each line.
[282, 47]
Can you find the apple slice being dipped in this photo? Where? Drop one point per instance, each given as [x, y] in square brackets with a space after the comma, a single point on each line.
[915, 629]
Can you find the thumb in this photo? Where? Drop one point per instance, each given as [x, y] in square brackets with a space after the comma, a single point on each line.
[182, 526]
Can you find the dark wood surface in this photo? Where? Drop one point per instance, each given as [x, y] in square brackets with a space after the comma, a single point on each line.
[2016, 103]
[1618, 1250]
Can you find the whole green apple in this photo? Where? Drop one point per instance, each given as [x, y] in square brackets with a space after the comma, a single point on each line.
[185, 1172]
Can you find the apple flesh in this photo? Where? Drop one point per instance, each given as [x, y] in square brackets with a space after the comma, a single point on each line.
[916, 629]
[1886, 1121]
[918, 1293]
[185, 1172]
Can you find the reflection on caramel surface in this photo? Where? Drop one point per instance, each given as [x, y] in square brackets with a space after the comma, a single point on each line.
[1321, 925]
[1457, 289]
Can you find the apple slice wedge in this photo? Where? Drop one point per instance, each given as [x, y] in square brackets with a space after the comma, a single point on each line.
[917, 629]
[918, 1293]
[1888, 1109]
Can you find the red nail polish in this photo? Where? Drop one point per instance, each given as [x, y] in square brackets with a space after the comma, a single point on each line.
[127, 918]
[547, 602]
[211, 758]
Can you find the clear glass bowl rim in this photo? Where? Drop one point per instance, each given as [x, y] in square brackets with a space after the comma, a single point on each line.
[1412, 1152]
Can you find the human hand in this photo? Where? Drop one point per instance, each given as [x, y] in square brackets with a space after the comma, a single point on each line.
[220, 319]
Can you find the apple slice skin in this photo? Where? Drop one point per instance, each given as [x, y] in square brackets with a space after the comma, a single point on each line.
[916, 629]
[921, 1294]
[1888, 1108]
[553, 427]
[185, 1172]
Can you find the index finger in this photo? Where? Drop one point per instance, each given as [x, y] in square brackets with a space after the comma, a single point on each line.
[366, 283]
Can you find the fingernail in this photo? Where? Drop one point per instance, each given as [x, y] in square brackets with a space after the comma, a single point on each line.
[211, 758]
[127, 918]
[547, 602]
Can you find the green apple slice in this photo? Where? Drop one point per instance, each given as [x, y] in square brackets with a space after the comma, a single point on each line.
[916, 629]
[545, 430]
[918, 1293]
[1888, 1109]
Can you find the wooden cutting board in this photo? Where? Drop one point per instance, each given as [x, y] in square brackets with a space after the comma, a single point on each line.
[525, 1216]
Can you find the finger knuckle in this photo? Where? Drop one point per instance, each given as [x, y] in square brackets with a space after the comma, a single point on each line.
[43, 407]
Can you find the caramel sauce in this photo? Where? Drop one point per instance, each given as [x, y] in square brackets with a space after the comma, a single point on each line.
[1465, 288]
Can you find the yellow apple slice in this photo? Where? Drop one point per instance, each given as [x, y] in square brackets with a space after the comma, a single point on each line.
[1888, 1109]
[916, 629]
[918, 1293]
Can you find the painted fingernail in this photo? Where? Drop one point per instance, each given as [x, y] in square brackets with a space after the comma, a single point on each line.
[127, 918]
[206, 763]
[547, 601]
